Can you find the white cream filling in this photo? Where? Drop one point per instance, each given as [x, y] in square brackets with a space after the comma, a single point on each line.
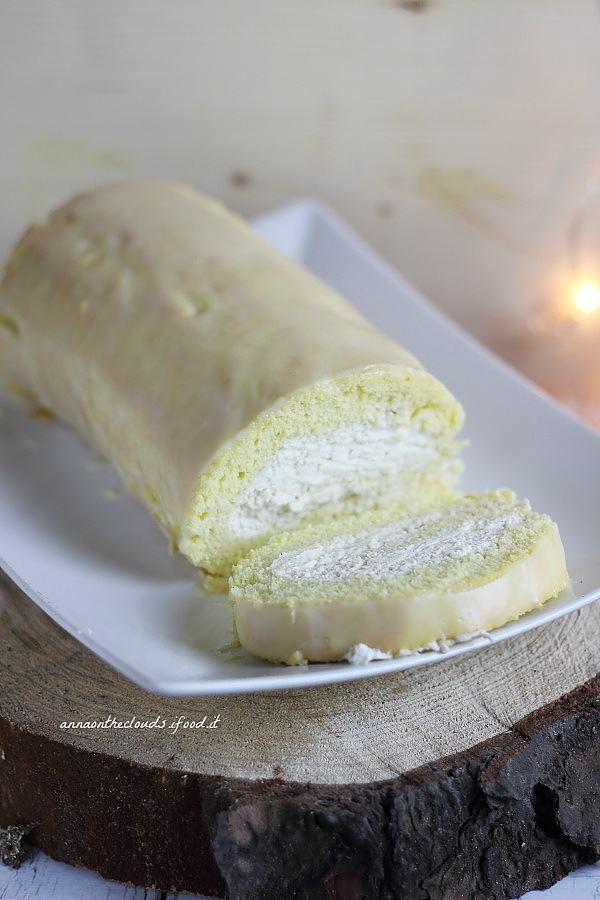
[361, 654]
[310, 471]
[394, 549]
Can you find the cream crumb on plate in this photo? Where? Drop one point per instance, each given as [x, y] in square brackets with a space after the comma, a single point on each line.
[361, 654]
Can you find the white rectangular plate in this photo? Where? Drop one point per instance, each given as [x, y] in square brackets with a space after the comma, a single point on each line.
[97, 564]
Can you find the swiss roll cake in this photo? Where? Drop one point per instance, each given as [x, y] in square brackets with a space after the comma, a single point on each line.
[396, 581]
[237, 395]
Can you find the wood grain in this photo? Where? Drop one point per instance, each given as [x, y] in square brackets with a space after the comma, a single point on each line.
[450, 138]
[360, 732]
[418, 784]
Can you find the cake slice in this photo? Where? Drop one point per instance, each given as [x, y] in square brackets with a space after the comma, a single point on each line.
[236, 394]
[457, 566]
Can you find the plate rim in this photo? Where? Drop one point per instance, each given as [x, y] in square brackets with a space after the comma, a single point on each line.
[304, 212]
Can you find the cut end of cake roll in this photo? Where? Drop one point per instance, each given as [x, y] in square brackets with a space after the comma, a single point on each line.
[397, 582]
[236, 394]
[378, 436]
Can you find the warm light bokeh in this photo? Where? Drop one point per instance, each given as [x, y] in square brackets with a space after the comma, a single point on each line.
[586, 297]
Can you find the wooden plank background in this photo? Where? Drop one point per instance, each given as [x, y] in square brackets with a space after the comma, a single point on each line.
[455, 135]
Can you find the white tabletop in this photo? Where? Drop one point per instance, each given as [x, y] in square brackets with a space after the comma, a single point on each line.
[41, 878]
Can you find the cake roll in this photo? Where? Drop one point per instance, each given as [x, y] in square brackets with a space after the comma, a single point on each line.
[386, 583]
[236, 394]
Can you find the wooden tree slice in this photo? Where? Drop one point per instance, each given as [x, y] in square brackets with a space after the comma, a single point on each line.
[476, 777]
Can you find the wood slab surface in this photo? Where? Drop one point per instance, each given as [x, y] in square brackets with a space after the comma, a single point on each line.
[477, 777]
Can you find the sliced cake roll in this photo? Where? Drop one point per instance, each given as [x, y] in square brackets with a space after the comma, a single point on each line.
[396, 583]
[236, 394]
